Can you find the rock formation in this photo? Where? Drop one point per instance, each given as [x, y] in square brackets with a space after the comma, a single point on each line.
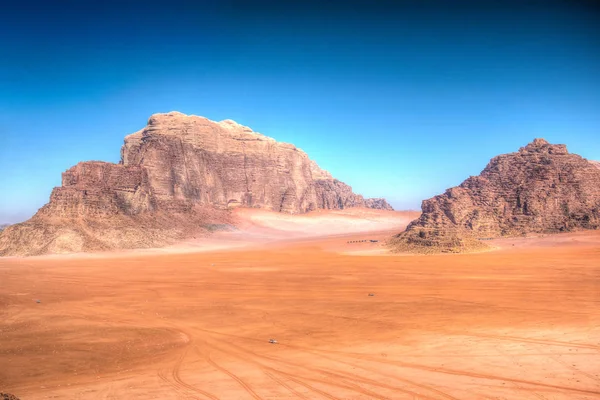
[8, 396]
[177, 175]
[539, 189]
[378, 203]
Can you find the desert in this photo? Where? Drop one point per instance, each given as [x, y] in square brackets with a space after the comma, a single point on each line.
[521, 321]
[130, 284]
[271, 200]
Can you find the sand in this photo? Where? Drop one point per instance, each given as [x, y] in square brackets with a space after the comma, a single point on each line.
[521, 322]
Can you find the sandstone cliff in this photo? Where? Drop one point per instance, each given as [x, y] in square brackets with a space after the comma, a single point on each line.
[539, 189]
[177, 176]
[193, 160]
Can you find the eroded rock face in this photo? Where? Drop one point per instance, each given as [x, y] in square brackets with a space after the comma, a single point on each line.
[379, 204]
[539, 189]
[190, 159]
[177, 175]
[8, 396]
[97, 188]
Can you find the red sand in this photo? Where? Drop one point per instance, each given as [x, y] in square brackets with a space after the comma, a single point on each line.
[522, 322]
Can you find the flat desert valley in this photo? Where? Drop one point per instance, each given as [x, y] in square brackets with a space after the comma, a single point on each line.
[350, 320]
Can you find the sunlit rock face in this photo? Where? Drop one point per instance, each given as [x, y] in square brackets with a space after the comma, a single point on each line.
[177, 175]
[542, 188]
[190, 159]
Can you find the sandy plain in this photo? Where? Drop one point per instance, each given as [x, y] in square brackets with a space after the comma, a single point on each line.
[194, 321]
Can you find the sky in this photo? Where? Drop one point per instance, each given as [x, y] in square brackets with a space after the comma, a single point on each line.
[398, 99]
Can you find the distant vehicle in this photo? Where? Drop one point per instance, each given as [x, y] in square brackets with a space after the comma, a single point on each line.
[273, 341]
[374, 241]
[371, 294]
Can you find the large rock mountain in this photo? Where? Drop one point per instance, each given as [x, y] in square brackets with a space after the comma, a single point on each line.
[177, 176]
[539, 189]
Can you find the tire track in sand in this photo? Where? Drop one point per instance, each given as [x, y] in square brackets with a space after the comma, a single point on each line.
[407, 381]
[288, 376]
[285, 385]
[179, 384]
[340, 376]
[516, 384]
[233, 376]
[449, 371]
[577, 370]
[360, 378]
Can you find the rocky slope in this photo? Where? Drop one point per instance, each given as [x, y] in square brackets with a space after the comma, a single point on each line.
[539, 189]
[378, 203]
[177, 176]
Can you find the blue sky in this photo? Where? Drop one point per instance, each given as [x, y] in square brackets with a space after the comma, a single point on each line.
[398, 99]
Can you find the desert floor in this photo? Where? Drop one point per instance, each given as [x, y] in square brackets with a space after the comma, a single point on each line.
[520, 322]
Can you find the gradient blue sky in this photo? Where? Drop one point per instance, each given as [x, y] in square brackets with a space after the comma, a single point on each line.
[397, 99]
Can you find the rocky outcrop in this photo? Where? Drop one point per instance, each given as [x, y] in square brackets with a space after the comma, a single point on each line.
[193, 160]
[176, 176]
[379, 204]
[100, 189]
[539, 189]
[596, 163]
[8, 396]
